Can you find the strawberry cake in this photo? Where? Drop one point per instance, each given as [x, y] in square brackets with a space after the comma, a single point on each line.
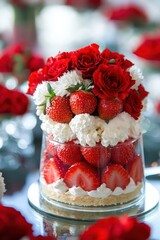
[91, 105]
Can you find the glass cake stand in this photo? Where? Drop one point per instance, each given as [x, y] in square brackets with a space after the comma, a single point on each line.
[138, 208]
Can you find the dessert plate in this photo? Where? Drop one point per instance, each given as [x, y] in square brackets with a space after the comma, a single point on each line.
[139, 208]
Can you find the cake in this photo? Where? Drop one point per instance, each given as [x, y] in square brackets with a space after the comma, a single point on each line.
[91, 105]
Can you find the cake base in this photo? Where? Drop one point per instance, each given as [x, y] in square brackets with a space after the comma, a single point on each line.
[138, 208]
[90, 201]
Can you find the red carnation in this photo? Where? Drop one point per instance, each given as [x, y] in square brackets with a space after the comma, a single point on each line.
[59, 65]
[112, 81]
[36, 78]
[122, 228]
[87, 59]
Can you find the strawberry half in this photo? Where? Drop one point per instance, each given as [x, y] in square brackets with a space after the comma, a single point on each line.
[123, 153]
[136, 170]
[83, 102]
[83, 175]
[115, 176]
[69, 153]
[98, 156]
[59, 110]
[54, 170]
[51, 148]
[109, 108]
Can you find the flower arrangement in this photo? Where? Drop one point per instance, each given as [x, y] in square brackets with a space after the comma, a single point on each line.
[90, 96]
[12, 102]
[20, 61]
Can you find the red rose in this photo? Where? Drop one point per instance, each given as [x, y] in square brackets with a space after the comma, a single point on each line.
[59, 65]
[149, 48]
[35, 78]
[115, 58]
[87, 59]
[122, 228]
[111, 81]
[133, 104]
[20, 102]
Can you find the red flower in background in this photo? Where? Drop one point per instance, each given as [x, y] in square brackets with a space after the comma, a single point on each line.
[13, 102]
[130, 13]
[114, 228]
[19, 61]
[84, 3]
[13, 226]
[149, 48]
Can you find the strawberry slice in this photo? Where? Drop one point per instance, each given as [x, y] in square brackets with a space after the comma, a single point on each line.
[51, 148]
[83, 175]
[54, 170]
[123, 153]
[136, 169]
[115, 176]
[98, 156]
[69, 153]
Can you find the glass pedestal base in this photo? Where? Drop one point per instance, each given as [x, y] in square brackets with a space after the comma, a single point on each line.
[139, 208]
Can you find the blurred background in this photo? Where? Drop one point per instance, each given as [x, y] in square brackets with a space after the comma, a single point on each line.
[33, 30]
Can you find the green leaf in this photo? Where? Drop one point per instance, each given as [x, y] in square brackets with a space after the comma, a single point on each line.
[112, 60]
[50, 90]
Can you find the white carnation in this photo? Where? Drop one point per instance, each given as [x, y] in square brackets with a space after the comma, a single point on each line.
[136, 75]
[62, 133]
[87, 128]
[119, 129]
[65, 81]
[41, 93]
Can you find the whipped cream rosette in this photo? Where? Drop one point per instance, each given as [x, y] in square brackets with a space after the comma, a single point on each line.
[91, 105]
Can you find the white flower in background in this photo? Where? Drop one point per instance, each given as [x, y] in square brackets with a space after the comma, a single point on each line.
[2, 186]
[136, 75]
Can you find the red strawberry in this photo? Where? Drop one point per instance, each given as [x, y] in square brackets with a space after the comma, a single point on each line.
[51, 148]
[123, 153]
[59, 110]
[54, 170]
[69, 153]
[97, 156]
[83, 102]
[109, 108]
[136, 170]
[45, 158]
[115, 176]
[82, 175]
